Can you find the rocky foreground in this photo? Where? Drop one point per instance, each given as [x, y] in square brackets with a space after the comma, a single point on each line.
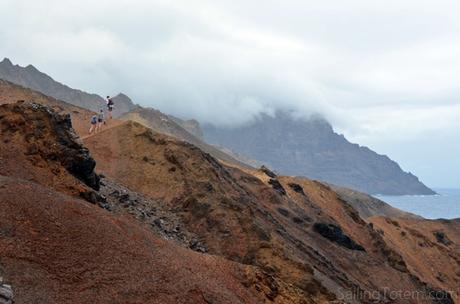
[133, 216]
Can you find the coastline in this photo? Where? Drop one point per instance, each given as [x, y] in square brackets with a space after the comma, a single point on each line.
[443, 205]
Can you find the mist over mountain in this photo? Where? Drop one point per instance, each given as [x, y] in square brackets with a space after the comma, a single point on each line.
[311, 148]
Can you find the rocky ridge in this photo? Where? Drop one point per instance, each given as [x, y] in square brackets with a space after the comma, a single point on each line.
[187, 130]
[31, 77]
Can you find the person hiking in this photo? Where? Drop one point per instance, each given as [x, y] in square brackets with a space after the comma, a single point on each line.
[93, 124]
[100, 120]
[110, 106]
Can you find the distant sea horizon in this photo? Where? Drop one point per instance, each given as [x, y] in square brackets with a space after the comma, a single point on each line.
[445, 205]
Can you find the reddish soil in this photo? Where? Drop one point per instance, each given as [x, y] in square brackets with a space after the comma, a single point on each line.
[207, 197]
[431, 249]
[55, 249]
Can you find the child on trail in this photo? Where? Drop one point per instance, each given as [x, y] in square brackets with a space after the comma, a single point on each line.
[100, 120]
[93, 124]
[110, 106]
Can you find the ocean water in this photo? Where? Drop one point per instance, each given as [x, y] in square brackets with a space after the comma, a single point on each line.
[444, 205]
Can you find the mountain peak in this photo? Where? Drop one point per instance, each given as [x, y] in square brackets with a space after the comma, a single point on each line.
[31, 68]
[122, 95]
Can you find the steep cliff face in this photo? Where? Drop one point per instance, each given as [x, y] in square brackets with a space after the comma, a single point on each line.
[32, 78]
[311, 148]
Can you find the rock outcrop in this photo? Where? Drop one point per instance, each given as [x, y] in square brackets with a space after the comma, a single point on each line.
[6, 293]
[40, 144]
[335, 234]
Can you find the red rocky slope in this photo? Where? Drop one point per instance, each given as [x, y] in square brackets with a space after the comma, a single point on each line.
[56, 248]
[299, 231]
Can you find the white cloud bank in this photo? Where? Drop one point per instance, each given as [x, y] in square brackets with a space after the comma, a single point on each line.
[385, 73]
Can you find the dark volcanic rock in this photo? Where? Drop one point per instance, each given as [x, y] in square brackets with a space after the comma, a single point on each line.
[297, 188]
[277, 186]
[157, 216]
[283, 212]
[442, 238]
[71, 153]
[439, 296]
[268, 172]
[75, 157]
[336, 235]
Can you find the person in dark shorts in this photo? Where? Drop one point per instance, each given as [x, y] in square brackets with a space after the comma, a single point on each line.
[93, 124]
[110, 106]
[100, 120]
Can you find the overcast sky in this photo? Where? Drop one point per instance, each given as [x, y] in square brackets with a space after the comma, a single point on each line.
[384, 73]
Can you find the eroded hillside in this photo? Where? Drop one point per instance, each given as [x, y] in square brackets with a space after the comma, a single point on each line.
[299, 231]
[171, 224]
[57, 248]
